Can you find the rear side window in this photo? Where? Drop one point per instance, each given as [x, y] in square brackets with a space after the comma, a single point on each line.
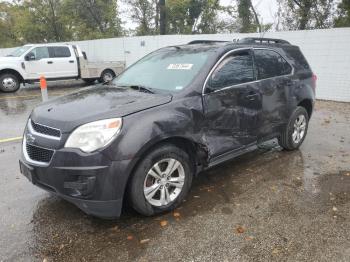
[59, 51]
[298, 57]
[270, 64]
[234, 70]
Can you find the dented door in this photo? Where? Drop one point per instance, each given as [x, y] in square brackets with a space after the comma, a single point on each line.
[232, 104]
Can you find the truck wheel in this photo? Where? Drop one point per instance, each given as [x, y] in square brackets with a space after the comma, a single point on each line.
[294, 134]
[9, 83]
[107, 76]
[161, 181]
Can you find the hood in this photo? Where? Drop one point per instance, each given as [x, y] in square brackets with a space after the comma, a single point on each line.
[92, 104]
[9, 59]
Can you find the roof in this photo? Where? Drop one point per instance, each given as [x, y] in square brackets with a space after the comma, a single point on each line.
[49, 44]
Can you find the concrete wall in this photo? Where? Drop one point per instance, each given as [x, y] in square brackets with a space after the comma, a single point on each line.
[328, 52]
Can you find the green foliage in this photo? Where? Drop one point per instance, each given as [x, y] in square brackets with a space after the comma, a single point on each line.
[145, 14]
[307, 14]
[343, 18]
[37, 21]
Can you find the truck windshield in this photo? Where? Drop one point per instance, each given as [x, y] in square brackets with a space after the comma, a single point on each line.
[167, 70]
[20, 51]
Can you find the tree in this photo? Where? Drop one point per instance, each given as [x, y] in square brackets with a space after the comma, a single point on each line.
[307, 14]
[162, 17]
[343, 14]
[248, 17]
[91, 19]
[37, 21]
[145, 14]
[193, 16]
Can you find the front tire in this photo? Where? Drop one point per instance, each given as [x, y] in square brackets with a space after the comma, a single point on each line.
[9, 83]
[294, 134]
[161, 181]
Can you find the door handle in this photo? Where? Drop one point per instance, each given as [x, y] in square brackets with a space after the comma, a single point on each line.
[49, 62]
[71, 61]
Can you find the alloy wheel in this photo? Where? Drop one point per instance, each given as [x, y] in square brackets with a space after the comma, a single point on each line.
[299, 129]
[164, 182]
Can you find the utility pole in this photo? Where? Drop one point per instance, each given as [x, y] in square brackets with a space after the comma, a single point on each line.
[162, 17]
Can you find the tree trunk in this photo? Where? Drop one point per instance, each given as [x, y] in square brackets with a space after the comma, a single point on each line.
[162, 17]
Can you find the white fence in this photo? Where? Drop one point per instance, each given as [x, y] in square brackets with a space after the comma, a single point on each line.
[328, 52]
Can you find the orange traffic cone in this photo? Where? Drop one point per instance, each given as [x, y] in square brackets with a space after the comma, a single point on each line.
[43, 87]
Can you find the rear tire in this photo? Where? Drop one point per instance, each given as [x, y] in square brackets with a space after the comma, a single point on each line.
[161, 180]
[295, 132]
[107, 76]
[9, 83]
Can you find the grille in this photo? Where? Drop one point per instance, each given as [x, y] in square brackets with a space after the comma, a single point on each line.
[46, 130]
[39, 154]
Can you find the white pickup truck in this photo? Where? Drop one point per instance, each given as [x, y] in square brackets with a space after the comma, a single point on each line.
[55, 62]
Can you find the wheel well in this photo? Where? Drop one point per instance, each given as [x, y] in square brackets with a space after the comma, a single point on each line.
[108, 69]
[11, 71]
[307, 104]
[197, 153]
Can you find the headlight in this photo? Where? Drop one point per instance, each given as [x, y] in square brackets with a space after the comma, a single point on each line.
[94, 135]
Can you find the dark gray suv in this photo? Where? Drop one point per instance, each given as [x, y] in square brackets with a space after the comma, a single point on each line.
[174, 113]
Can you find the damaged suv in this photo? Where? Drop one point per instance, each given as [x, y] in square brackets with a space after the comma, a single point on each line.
[174, 113]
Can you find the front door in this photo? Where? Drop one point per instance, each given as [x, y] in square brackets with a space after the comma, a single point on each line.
[232, 104]
[42, 64]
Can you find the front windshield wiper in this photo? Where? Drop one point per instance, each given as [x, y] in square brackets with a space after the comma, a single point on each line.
[139, 88]
[9, 55]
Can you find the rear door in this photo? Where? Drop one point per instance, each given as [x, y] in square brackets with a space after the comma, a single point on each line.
[64, 61]
[232, 104]
[274, 75]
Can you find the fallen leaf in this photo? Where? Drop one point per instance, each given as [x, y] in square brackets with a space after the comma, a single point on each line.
[249, 238]
[240, 229]
[163, 223]
[176, 214]
[144, 241]
[130, 237]
[115, 228]
[275, 251]
[335, 209]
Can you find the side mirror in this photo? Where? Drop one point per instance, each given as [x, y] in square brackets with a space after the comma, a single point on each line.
[29, 57]
[84, 55]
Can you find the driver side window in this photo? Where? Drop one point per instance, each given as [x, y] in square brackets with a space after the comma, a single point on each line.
[40, 53]
[234, 70]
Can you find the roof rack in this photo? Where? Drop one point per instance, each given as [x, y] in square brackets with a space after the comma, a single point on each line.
[206, 42]
[261, 40]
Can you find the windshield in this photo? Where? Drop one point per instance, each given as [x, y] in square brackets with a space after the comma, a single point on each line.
[20, 51]
[168, 70]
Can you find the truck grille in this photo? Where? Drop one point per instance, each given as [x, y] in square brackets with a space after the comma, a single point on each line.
[45, 130]
[39, 154]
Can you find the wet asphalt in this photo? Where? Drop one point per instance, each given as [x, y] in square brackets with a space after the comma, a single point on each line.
[268, 205]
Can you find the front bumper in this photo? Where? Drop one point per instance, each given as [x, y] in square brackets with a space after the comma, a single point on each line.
[90, 181]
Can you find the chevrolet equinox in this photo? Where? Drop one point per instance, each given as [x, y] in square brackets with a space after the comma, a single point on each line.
[174, 113]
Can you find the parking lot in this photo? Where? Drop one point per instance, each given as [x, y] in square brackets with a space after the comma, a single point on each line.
[268, 205]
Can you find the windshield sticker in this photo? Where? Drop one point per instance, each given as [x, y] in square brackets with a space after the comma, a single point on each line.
[180, 67]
